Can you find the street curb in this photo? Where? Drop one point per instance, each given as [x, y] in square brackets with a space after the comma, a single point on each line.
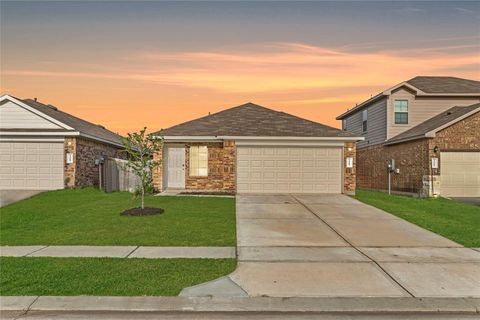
[251, 304]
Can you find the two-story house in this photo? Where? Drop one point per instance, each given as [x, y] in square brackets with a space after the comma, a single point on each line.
[430, 127]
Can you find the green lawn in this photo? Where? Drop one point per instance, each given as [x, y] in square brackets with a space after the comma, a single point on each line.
[454, 220]
[91, 217]
[106, 276]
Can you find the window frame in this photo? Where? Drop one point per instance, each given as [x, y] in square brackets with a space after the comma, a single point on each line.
[404, 113]
[365, 121]
[198, 166]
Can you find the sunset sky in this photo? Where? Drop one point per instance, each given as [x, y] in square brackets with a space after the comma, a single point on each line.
[132, 64]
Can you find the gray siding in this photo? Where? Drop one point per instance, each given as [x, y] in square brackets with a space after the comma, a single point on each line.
[376, 124]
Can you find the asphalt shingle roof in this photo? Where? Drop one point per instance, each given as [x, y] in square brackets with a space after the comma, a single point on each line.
[445, 85]
[80, 125]
[253, 120]
[437, 121]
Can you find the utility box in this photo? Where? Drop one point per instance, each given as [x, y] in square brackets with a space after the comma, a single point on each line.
[391, 165]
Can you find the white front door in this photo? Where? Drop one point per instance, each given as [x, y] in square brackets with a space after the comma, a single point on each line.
[176, 167]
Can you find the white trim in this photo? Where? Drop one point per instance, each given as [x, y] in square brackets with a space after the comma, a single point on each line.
[39, 133]
[404, 84]
[32, 139]
[56, 134]
[189, 138]
[292, 143]
[35, 111]
[239, 138]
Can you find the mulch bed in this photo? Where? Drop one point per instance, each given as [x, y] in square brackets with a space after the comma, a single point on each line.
[142, 212]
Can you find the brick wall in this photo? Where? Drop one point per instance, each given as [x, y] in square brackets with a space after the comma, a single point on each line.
[83, 172]
[69, 168]
[221, 168]
[349, 174]
[413, 159]
[410, 158]
[157, 174]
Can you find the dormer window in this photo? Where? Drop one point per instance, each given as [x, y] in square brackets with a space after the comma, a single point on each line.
[401, 111]
[364, 120]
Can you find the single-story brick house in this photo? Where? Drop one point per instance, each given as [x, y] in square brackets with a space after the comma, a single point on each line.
[430, 127]
[253, 149]
[43, 148]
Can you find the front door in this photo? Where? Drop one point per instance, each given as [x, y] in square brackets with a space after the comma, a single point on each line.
[176, 167]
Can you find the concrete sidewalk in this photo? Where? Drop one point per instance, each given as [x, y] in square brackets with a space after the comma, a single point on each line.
[118, 252]
[256, 304]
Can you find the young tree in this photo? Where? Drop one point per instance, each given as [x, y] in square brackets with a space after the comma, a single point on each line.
[140, 148]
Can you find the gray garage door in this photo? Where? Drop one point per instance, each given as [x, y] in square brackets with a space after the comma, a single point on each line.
[460, 174]
[31, 165]
[289, 169]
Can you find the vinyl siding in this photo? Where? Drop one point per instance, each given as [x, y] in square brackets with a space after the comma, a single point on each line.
[421, 109]
[13, 116]
[376, 123]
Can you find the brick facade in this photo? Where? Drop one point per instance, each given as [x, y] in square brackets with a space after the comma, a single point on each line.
[222, 171]
[413, 159]
[349, 174]
[221, 168]
[83, 172]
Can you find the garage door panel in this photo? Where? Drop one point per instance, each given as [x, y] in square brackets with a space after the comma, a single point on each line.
[289, 169]
[460, 174]
[31, 165]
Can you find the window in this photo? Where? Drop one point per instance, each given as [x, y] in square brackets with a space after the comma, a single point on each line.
[199, 161]
[401, 111]
[364, 120]
[344, 125]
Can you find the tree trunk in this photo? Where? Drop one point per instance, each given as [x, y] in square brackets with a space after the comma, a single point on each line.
[143, 197]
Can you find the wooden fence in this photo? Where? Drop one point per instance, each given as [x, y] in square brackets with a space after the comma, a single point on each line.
[117, 177]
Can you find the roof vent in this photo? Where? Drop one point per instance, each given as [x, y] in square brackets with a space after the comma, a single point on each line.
[52, 106]
[449, 113]
[101, 126]
[35, 99]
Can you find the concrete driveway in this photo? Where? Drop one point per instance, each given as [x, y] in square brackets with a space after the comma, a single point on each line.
[10, 196]
[333, 245]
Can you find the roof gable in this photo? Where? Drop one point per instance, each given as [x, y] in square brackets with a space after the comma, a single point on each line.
[251, 120]
[66, 123]
[16, 116]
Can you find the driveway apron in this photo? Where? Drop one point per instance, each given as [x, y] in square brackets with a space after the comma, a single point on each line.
[333, 245]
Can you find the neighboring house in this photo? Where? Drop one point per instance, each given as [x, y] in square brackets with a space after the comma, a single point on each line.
[252, 149]
[430, 126]
[43, 148]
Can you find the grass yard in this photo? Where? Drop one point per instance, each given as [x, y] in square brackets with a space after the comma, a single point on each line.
[454, 220]
[106, 276]
[91, 217]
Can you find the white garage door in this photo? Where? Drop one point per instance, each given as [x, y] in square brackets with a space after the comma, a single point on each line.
[31, 165]
[289, 170]
[460, 174]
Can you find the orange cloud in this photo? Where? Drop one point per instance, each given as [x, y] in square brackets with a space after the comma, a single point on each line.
[168, 87]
